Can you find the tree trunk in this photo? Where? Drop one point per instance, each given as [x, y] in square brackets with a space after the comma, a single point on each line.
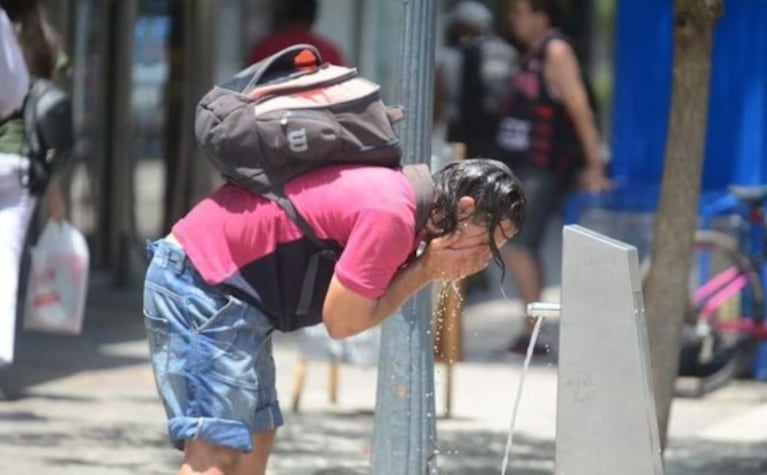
[666, 286]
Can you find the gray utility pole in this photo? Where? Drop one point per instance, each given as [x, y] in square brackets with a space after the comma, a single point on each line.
[404, 441]
[117, 186]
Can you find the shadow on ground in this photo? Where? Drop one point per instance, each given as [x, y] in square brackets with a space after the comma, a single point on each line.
[688, 457]
[124, 447]
[111, 316]
[323, 443]
[334, 443]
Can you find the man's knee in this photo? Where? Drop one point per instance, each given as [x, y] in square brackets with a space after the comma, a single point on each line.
[205, 458]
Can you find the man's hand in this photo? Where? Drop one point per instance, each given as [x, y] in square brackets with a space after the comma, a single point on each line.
[456, 255]
[461, 253]
[594, 180]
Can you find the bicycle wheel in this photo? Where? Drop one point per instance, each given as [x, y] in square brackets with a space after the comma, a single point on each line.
[726, 299]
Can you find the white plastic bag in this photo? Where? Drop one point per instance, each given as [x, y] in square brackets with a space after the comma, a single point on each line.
[58, 280]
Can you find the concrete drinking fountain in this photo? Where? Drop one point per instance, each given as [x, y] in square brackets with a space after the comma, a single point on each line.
[606, 419]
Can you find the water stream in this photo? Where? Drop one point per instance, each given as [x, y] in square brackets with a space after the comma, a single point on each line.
[528, 357]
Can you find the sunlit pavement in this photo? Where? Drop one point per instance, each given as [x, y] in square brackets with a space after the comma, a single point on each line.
[88, 406]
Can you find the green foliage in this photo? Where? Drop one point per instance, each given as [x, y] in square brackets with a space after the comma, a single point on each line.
[604, 11]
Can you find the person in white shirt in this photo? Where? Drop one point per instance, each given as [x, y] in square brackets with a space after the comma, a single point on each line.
[16, 204]
[26, 48]
[13, 69]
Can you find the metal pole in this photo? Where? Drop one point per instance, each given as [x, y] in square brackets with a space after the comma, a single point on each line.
[404, 439]
[193, 71]
[121, 143]
[201, 44]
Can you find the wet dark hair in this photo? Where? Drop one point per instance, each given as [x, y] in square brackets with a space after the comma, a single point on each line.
[551, 8]
[497, 195]
[36, 36]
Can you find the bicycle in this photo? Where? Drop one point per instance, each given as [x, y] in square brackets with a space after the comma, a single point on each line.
[725, 319]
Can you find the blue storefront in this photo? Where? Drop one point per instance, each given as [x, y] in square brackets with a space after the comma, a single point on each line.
[736, 137]
[736, 147]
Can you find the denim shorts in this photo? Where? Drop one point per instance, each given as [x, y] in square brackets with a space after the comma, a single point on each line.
[211, 354]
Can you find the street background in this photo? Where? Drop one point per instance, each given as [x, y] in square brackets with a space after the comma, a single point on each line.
[89, 407]
[87, 404]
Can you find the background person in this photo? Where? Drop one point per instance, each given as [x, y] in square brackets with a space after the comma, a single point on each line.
[29, 48]
[296, 19]
[548, 135]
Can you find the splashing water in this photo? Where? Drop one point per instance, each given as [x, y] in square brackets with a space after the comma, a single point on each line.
[528, 357]
[447, 311]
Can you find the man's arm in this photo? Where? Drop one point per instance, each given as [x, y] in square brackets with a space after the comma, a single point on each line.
[347, 313]
[562, 74]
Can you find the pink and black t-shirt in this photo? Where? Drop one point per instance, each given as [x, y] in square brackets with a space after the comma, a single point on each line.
[249, 244]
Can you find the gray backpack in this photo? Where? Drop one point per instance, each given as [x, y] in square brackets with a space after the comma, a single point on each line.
[291, 113]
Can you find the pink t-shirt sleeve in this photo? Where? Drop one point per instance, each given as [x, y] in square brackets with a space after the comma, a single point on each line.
[379, 243]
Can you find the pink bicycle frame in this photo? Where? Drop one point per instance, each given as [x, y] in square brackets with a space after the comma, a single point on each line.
[714, 293]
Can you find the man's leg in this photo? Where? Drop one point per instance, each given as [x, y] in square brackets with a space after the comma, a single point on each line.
[211, 356]
[203, 458]
[255, 462]
[526, 271]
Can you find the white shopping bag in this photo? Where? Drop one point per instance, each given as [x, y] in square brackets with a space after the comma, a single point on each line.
[58, 280]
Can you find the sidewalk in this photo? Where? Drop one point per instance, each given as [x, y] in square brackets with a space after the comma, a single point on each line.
[89, 408]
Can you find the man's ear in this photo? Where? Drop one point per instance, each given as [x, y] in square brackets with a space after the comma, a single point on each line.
[465, 207]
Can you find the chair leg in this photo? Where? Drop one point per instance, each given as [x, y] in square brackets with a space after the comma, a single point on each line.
[333, 377]
[449, 391]
[299, 377]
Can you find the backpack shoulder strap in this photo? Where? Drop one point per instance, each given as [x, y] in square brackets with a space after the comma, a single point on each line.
[423, 185]
[277, 194]
[419, 177]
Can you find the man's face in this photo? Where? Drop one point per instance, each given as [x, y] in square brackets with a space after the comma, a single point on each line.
[524, 21]
[472, 233]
